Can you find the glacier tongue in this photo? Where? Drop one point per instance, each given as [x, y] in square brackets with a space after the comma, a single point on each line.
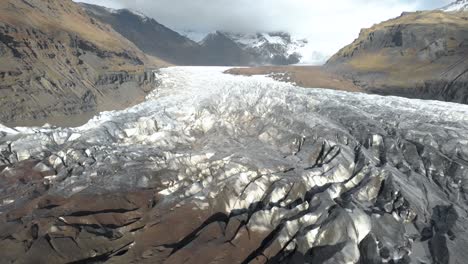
[328, 176]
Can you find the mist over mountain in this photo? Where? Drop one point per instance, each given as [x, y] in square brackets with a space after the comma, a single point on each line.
[216, 48]
[329, 27]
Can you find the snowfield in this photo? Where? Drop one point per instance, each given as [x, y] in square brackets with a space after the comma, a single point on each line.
[357, 176]
[459, 5]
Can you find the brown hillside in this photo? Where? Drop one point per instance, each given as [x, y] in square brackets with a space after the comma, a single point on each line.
[57, 63]
[421, 54]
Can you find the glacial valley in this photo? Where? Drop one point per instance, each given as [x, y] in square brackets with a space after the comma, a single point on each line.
[218, 168]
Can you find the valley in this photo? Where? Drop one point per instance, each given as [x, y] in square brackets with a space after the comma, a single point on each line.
[124, 140]
[265, 171]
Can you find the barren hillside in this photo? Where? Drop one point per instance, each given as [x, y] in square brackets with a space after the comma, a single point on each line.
[59, 65]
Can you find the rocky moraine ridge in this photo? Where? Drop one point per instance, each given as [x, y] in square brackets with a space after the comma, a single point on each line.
[215, 168]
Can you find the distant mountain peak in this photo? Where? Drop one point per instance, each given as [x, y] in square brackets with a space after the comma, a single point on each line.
[99, 9]
[134, 12]
[279, 47]
[459, 5]
[215, 37]
[193, 35]
[276, 47]
[138, 13]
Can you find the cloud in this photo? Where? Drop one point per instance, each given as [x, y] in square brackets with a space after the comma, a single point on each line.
[329, 25]
[107, 3]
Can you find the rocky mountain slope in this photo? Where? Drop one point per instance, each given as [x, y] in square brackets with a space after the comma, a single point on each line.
[59, 65]
[219, 49]
[150, 36]
[420, 54]
[217, 168]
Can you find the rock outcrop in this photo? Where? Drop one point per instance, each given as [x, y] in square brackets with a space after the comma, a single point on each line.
[54, 59]
[216, 168]
[419, 55]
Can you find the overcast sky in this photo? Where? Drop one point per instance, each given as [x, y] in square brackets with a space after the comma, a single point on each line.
[329, 24]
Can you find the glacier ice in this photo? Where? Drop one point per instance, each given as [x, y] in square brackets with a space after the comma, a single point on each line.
[333, 171]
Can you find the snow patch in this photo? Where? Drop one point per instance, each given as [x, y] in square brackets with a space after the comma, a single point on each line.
[459, 5]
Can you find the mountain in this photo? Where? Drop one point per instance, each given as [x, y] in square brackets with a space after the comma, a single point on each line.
[459, 5]
[61, 66]
[276, 48]
[227, 48]
[420, 54]
[270, 48]
[147, 34]
[216, 48]
[216, 168]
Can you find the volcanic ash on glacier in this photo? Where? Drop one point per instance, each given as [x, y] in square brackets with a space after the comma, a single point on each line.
[215, 167]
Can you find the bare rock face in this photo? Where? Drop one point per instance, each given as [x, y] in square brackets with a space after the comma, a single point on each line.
[216, 168]
[417, 55]
[54, 63]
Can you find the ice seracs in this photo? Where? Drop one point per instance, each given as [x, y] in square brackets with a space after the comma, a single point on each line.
[325, 176]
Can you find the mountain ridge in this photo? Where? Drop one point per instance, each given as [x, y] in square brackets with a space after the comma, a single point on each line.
[149, 35]
[419, 54]
[273, 48]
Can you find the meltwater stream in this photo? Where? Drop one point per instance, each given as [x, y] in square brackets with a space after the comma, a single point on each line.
[321, 176]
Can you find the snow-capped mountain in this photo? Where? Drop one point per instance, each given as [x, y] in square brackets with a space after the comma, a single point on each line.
[459, 5]
[276, 47]
[189, 47]
[280, 45]
[193, 35]
[268, 47]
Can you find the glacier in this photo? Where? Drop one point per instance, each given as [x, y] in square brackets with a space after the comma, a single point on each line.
[323, 176]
